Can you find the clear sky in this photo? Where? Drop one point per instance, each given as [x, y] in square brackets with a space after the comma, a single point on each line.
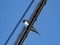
[47, 24]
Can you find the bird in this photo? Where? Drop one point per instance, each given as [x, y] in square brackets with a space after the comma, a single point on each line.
[32, 28]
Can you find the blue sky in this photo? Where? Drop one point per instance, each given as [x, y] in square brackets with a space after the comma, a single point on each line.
[48, 22]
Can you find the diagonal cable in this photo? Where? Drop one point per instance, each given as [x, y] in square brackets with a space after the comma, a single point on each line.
[18, 23]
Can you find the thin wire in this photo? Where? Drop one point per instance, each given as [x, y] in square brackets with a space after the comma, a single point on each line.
[18, 23]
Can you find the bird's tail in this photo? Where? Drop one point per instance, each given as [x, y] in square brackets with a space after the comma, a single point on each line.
[34, 30]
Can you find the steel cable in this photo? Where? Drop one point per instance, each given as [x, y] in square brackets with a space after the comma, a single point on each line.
[18, 23]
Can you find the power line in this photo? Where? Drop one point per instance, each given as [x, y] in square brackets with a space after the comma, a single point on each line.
[18, 23]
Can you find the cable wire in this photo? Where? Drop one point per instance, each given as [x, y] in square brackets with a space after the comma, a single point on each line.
[18, 23]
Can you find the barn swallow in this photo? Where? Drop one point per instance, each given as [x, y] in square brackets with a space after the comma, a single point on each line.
[32, 28]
